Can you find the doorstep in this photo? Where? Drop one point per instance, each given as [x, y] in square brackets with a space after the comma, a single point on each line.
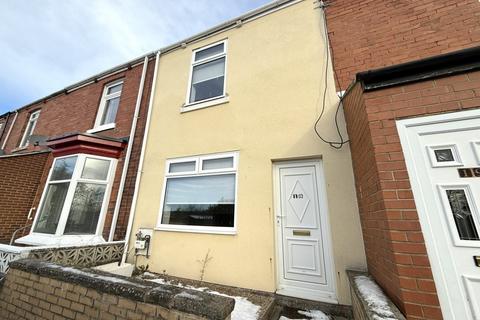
[296, 308]
[270, 306]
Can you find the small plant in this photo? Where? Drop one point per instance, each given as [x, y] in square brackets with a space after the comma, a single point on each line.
[203, 264]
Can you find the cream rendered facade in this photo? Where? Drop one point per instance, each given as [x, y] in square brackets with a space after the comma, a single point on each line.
[274, 83]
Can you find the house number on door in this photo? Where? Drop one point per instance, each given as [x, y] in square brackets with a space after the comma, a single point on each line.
[297, 196]
[469, 172]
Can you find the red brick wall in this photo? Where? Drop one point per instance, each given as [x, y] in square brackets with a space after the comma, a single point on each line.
[19, 180]
[133, 166]
[394, 245]
[76, 112]
[371, 34]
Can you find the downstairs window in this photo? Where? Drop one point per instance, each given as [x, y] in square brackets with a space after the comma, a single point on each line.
[76, 196]
[199, 194]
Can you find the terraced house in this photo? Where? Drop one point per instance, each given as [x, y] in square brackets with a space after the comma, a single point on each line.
[69, 159]
[316, 153]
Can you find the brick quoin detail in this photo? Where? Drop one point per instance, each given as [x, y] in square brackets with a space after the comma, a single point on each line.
[394, 245]
[375, 33]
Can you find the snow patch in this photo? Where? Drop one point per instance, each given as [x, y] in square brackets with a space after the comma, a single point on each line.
[311, 314]
[244, 309]
[375, 298]
[188, 296]
[315, 314]
[93, 275]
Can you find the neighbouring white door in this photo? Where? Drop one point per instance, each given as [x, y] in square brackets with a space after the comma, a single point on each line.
[305, 267]
[443, 159]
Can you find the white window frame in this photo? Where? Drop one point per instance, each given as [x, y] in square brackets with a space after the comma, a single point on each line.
[189, 106]
[58, 236]
[103, 103]
[31, 123]
[198, 173]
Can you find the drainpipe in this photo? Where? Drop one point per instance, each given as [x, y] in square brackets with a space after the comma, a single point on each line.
[129, 152]
[9, 130]
[140, 164]
[5, 125]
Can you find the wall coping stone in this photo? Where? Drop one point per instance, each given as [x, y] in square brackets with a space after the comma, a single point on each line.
[368, 311]
[168, 296]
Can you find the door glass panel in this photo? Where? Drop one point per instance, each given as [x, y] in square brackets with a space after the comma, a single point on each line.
[85, 209]
[52, 208]
[63, 168]
[95, 169]
[444, 155]
[462, 214]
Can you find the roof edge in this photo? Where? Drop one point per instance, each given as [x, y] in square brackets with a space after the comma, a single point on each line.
[274, 5]
[418, 70]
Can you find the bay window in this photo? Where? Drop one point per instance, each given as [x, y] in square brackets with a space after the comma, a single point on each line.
[76, 196]
[199, 194]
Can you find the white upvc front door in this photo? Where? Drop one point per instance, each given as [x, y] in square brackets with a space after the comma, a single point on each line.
[443, 158]
[304, 258]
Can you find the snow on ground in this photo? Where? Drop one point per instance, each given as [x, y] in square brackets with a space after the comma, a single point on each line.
[375, 298]
[312, 314]
[244, 309]
[315, 314]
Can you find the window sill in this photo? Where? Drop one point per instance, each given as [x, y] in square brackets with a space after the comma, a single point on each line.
[204, 104]
[38, 239]
[190, 229]
[20, 149]
[102, 128]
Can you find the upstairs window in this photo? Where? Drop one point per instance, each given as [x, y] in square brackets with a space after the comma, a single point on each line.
[75, 198]
[207, 80]
[32, 122]
[107, 111]
[199, 194]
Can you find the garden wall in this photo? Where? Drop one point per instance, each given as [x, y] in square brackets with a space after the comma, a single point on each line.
[41, 290]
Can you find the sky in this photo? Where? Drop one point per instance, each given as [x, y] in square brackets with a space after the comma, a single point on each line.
[46, 45]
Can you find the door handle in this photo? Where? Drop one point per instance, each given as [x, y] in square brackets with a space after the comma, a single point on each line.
[476, 259]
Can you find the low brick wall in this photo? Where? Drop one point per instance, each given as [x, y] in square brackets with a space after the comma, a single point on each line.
[41, 290]
[368, 300]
